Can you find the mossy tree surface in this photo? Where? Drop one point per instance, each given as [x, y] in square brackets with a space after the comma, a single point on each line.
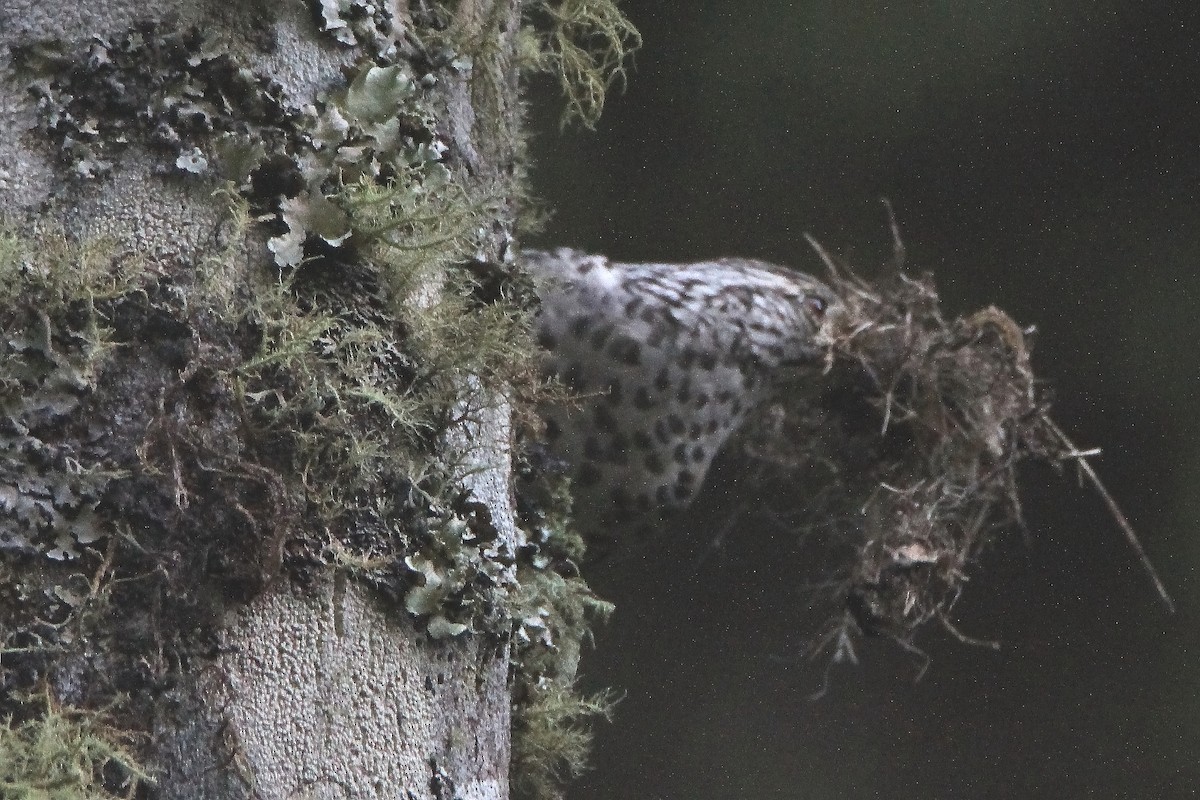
[256, 527]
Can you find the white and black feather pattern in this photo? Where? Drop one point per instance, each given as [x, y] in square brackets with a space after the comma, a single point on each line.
[667, 359]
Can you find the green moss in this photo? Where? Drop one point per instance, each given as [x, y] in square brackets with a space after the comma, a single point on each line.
[584, 44]
[66, 754]
[552, 740]
[58, 273]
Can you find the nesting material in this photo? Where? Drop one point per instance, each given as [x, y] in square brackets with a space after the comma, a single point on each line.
[907, 456]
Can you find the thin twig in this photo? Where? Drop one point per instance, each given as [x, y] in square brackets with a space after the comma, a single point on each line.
[898, 249]
[1115, 510]
[826, 259]
[953, 630]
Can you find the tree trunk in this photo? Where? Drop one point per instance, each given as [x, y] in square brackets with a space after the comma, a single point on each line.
[257, 530]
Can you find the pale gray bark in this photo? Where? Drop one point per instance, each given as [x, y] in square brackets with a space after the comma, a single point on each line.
[326, 694]
[322, 691]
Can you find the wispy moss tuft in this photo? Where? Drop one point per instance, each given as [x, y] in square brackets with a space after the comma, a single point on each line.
[552, 739]
[57, 272]
[66, 754]
[585, 45]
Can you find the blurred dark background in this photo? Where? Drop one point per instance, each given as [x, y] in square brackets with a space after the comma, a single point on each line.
[1043, 159]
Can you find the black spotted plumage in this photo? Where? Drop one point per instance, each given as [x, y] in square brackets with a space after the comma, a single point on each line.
[667, 360]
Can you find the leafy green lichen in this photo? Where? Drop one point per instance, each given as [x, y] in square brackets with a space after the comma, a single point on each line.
[370, 24]
[372, 169]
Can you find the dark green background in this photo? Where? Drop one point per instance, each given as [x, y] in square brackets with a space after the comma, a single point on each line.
[1044, 160]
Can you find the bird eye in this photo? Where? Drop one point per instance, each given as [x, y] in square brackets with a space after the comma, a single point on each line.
[816, 305]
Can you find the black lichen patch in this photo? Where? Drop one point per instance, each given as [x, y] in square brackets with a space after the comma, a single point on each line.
[368, 24]
[78, 590]
[170, 89]
[53, 342]
[123, 474]
[904, 457]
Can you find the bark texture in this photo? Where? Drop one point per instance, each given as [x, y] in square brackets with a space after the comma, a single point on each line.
[262, 686]
[325, 694]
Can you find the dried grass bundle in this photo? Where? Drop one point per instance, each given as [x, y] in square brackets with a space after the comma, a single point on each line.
[907, 456]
